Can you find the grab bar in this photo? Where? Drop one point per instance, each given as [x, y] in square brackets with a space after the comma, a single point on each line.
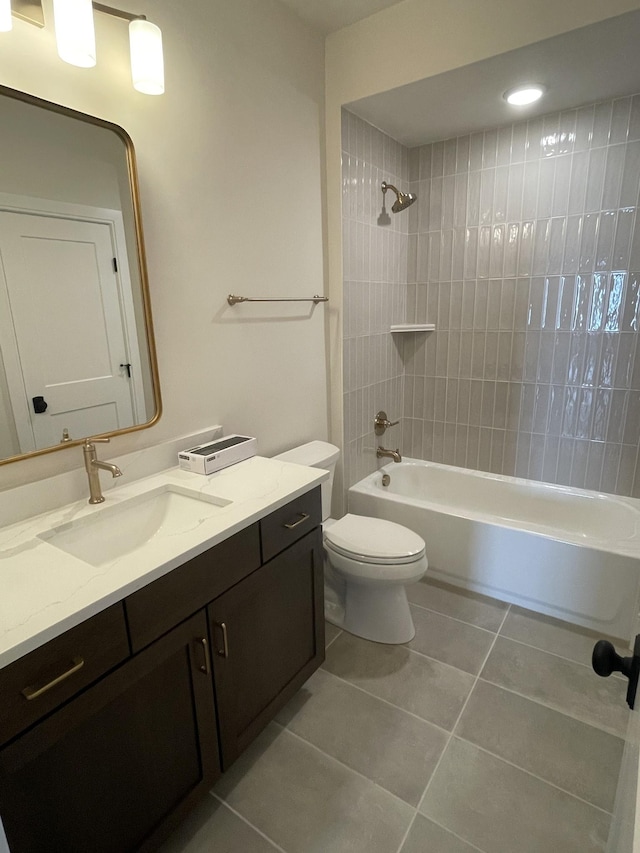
[234, 300]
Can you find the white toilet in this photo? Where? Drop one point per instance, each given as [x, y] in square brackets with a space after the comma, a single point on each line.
[368, 562]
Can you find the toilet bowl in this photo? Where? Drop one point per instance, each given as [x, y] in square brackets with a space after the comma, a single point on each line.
[368, 562]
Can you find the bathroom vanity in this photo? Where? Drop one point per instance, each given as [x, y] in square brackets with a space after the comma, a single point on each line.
[114, 728]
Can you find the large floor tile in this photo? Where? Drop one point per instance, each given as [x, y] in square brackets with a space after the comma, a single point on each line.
[571, 754]
[450, 640]
[307, 802]
[431, 689]
[552, 635]
[212, 826]
[427, 837]
[385, 744]
[461, 604]
[562, 684]
[502, 809]
[331, 631]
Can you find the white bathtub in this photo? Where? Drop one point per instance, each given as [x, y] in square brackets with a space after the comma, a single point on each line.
[569, 553]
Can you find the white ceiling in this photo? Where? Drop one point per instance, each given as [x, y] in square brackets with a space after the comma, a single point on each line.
[583, 66]
[331, 15]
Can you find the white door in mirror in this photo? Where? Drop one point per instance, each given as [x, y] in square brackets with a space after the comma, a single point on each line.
[65, 314]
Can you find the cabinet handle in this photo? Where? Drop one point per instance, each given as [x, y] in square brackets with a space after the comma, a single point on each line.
[291, 524]
[34, 692]
[224, 651]
[206, 666]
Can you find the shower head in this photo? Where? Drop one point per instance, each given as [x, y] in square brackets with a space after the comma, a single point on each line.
[403, 200]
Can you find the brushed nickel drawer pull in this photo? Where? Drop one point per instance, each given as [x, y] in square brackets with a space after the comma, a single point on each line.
[206, 666]
[34, 692]
[291, 524]
[224, 651]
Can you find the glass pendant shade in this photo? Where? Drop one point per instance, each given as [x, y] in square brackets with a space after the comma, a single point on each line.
[75, 34]
[5, 16]
[147, 63]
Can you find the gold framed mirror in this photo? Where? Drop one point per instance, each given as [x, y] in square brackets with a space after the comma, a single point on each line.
[77, 350]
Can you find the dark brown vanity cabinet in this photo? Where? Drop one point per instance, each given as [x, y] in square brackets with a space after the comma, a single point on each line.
[128, 756]
[175, 682]
[268, 638]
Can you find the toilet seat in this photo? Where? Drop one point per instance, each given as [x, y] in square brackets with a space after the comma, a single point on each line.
[373, 541]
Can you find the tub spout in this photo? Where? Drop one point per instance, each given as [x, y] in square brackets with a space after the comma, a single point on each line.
[392, 454]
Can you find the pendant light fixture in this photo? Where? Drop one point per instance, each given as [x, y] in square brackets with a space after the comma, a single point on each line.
[5, 16]
[75, 33]
[145, 46]
[75, 36]
[147, 63]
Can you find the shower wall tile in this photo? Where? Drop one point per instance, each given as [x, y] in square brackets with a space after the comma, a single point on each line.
[503, 154]
[630, 175]
[561, 186]
[595, 179]
[620, 120]
[613, 175]
[578, 182]
[380, 257]
[535, 369]
[524, 249]
[584, 128]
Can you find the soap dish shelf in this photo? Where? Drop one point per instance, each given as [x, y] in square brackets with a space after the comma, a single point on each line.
[413, 327]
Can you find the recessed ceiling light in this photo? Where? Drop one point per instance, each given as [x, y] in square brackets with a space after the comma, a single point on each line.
[522, 95]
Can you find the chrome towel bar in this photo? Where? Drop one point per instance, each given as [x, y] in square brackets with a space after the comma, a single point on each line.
[233, 300]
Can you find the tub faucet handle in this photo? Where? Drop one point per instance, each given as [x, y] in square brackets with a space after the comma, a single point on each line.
[381, 423]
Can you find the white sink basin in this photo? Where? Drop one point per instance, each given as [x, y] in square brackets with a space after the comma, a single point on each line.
[116, 531]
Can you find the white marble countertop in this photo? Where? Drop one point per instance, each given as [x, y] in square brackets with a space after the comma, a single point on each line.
[44, 591]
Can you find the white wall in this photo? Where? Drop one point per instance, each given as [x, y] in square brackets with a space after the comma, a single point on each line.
[411, 41]
[51, 156]
[230, 165]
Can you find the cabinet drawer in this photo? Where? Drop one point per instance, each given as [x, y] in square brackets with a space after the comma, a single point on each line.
[290, 523]
[56, 671]
[155, 609]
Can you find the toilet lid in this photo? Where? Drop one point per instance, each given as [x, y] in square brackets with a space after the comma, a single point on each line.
[374, 540]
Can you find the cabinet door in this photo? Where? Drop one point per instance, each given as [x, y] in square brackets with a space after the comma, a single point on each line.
[268, 638]
[116, 768]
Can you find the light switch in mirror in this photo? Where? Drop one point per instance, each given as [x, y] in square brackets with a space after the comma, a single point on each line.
[77, 354]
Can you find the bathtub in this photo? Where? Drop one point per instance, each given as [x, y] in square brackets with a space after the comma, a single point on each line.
[569, 553]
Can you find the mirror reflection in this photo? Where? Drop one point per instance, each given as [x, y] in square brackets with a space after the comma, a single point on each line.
[76, 344]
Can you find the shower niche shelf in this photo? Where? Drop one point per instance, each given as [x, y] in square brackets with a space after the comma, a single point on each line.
[413, 327]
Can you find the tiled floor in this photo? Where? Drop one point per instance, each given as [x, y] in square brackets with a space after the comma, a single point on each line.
[488, 732]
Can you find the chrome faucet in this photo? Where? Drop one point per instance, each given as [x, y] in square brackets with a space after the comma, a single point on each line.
[92, 465]
[392, 454]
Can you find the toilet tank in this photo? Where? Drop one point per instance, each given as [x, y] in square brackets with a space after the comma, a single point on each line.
[316, 454]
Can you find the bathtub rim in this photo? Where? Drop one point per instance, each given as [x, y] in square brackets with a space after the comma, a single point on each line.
[629, 547]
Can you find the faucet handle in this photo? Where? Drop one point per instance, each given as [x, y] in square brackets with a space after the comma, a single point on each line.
[89, 441]
[381, 423]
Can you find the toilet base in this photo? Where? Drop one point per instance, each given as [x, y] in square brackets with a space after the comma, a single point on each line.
[373, 611]
[380, 614]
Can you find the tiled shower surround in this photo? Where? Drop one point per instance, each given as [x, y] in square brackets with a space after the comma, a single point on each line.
[524, 252]
[375, 289]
